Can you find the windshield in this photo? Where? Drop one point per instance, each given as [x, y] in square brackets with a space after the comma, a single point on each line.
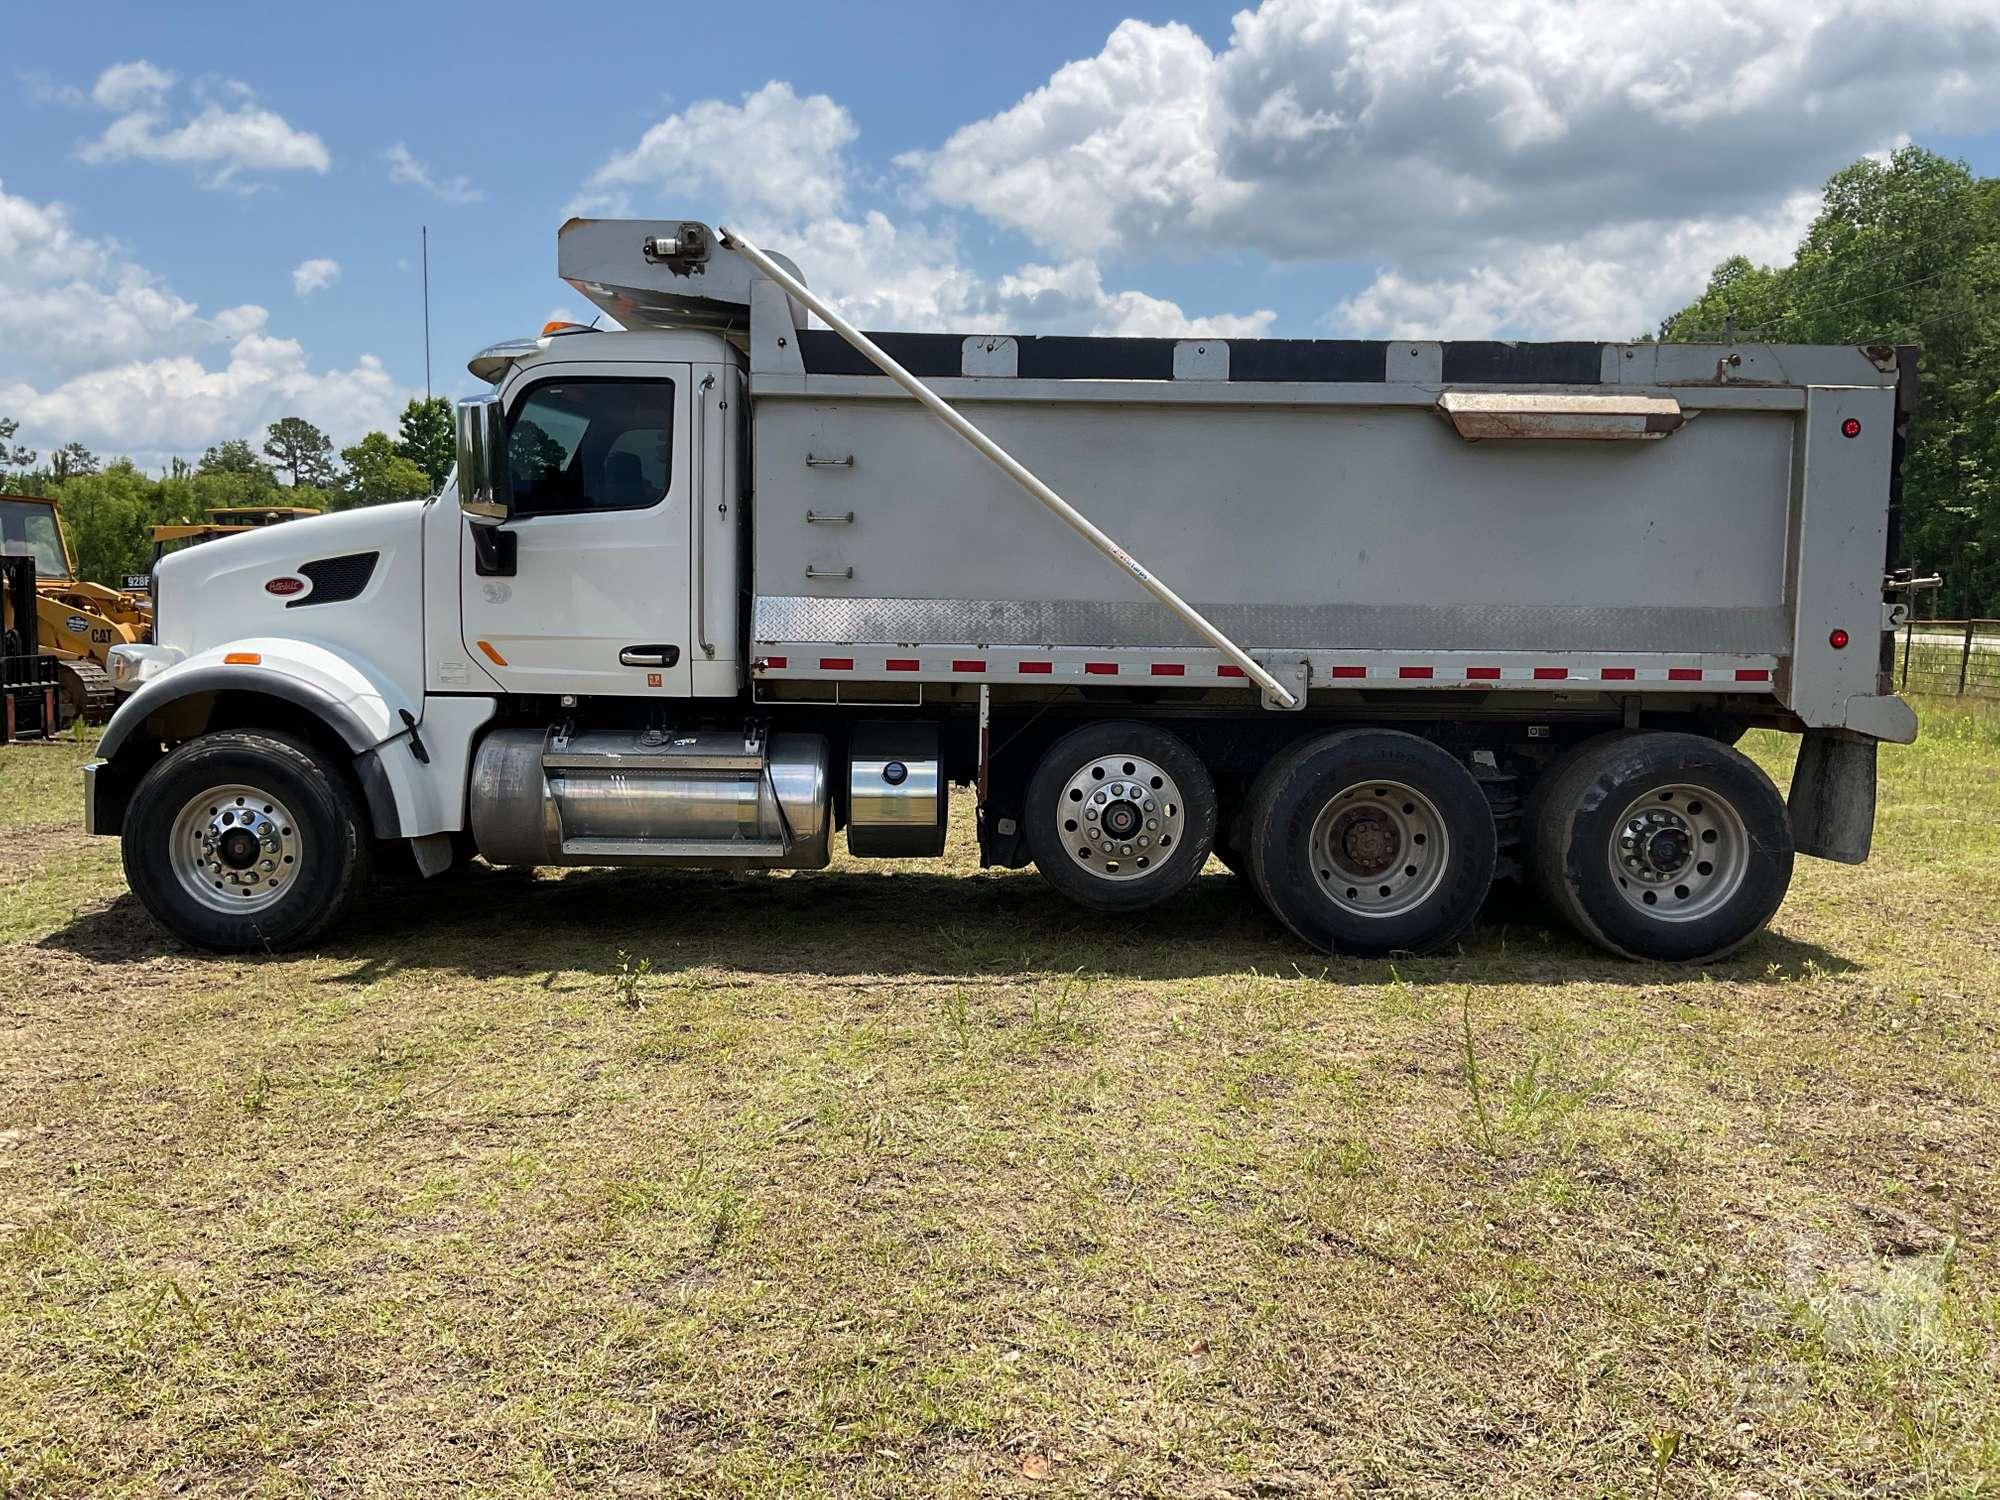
[29, 530]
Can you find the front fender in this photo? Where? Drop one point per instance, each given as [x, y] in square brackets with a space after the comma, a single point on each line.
[410, 791]
[354, 700]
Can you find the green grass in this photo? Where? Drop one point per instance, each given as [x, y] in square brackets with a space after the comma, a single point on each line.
[912, 1180]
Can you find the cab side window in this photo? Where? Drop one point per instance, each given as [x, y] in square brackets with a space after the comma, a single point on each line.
[581, 445]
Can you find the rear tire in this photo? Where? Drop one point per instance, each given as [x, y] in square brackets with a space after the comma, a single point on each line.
[1120, 816]
[243, 842]
[1370, 841]
[1671, 847]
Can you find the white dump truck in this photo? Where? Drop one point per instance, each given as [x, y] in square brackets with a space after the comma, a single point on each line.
[1372, 622]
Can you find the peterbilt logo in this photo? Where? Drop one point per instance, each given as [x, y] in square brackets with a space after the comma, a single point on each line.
[285, 586]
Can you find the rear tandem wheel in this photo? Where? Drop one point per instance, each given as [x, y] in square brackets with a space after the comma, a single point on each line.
[1662, 846]
[1370, 841]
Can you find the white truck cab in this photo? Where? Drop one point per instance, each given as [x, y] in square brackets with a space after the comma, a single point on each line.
[1375, 622]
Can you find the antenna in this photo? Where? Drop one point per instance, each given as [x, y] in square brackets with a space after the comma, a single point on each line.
[427, 314]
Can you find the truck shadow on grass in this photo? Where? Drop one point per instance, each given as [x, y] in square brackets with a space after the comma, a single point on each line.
[496, 924]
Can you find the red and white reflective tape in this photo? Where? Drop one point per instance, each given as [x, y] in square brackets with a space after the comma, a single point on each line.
[790, 661]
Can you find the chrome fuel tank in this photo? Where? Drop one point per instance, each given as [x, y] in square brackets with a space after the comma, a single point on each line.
[708, 797]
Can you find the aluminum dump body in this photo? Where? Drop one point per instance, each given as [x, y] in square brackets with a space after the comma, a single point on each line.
[1350, 523]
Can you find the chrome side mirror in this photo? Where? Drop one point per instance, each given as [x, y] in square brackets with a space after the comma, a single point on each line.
[485, 484]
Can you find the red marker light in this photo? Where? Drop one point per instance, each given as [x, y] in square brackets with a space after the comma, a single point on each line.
[1851, 427]
[1837, 639]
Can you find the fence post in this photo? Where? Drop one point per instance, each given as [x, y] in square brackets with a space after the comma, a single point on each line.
[1965, 658]
[1909, 636]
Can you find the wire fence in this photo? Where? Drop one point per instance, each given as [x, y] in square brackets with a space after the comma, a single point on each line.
[1952, 658]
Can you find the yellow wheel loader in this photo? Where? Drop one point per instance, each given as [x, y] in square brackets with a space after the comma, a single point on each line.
[227, 521]
[77, 622]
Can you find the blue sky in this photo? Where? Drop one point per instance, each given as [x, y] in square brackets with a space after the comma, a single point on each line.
[1524, 167]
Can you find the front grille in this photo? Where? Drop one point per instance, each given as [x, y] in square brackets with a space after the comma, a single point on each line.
[335, 579]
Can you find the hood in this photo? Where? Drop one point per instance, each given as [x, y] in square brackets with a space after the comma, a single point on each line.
[354, 577]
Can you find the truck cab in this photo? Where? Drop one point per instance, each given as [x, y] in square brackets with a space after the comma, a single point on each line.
[627, 473]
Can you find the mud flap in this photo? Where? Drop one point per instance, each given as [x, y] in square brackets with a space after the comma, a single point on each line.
[1832, 803]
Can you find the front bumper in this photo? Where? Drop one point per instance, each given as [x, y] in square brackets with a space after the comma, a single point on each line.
[133, 666]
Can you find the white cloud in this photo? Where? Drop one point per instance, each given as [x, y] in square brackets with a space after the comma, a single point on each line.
[779, 164]
[774, 153]
[68, 301]
[1072, 296]
[176, 404]
[229, 134]
[1615, 282]
[96, 349]
[314, 275]
[880, 274]
[131, 85]
[1484, 152]
[42, 89]
[1111, 152]
[404, 168]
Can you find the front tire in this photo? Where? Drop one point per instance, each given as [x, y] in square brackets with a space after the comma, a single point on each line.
[241, 841]
[1121, 816]
[1662, 846]
[1370, 841]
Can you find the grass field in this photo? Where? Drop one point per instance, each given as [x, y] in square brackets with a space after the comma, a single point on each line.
[886, 1181]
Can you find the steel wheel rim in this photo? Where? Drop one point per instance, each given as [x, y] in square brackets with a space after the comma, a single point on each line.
[235, 848]
[1679, 853]
[1379, 849]
[1120, 817]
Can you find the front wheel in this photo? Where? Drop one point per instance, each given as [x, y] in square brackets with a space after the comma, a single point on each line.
[241, 842]
[1370, 841]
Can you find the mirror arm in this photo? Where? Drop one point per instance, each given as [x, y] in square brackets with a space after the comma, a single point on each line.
[494, 551]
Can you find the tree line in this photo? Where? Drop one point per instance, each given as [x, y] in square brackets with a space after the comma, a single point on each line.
[109, 508]
[1904, 251]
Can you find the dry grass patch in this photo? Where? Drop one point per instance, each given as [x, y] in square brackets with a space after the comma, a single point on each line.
[890, 1182]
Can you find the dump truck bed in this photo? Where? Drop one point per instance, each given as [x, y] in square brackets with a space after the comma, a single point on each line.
[1414, 516]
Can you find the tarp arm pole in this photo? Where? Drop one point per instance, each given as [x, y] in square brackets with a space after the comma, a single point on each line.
[1012, 467]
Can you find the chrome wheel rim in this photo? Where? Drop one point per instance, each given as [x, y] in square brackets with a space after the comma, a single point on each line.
[236, 849]
[1120, 817]
[1379, 849]
[1679, 853]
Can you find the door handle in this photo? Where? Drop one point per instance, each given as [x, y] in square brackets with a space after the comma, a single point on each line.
[649, 656]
